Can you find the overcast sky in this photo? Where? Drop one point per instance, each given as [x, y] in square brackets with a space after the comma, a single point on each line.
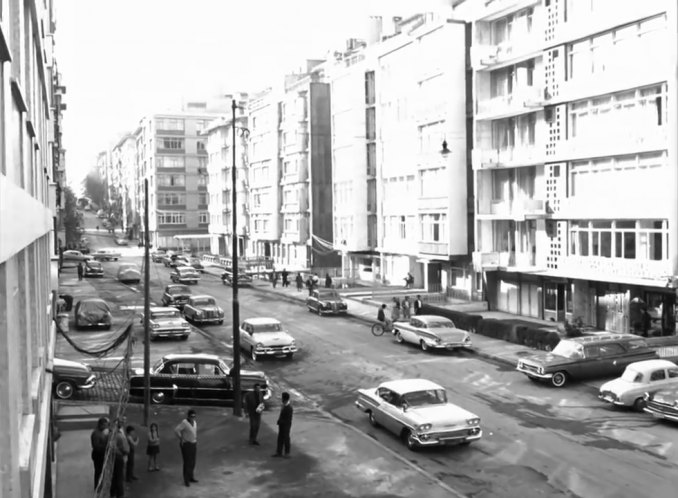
[122, 59]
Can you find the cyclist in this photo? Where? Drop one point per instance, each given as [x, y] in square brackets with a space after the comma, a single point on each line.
[381, 316]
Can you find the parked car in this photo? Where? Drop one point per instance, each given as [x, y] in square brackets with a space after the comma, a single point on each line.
[93, 269]
[167, 322]
[326, 302]
[106, 255]
[73, 255]
[196, 263]
[663, 404]
[243, 278]
[431, 332]
[266, 337]
[106, 224]
[417, 411]
[195, 378]
[101, 214]
[121, 241]
[68, 377]
[178, 260]
[129, 273]
[176, 296]
[184, 275]
[600, 355]
[166, 260]
[92, 312]
[642, 377]
[157, 255]
[203, 309]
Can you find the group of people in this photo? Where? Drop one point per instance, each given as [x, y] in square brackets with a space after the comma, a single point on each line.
[254, 407]
[400, 310]
[312, 282]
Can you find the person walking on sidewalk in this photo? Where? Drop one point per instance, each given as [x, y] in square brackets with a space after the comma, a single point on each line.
[81, 270]
[133, 441]
[300, 282]
[254, 405]
[328, 281]
[395, 312]
[406, 306]
[285, 275]
[284, 427]
[153, 447]
[121, 451]
[417, 305]
[274, 278]
[187, 432]
[99, 439]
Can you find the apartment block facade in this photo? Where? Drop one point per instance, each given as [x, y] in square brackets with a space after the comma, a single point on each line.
[575, 160]
[123, 167]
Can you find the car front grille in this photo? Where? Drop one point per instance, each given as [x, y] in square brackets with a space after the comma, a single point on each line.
[663, 408]
[455, 434]
[210, 314]
[526, 366]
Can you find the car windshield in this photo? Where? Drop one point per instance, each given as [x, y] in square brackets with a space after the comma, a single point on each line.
[427, 397]
[440, 324]
[179, 289]
[165, 314]
[187, 270]
[329, 295]
[157, 365]
[204, 301]
[129, 266]
[631, 375]
[94, 264]
[267, 327]
[569, 349]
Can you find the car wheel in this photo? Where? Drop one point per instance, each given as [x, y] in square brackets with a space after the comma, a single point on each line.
[159, 398]
[639, 404]
[424, 346]
[107, 327]
[64, 389]
[559, 379]
[409, 440]
[253, 354]
[399, 338]
[373, 421]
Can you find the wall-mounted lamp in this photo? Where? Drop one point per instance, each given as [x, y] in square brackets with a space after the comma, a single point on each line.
[445, 151]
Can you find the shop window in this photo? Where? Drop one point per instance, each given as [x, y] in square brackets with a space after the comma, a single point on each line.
[550, 297]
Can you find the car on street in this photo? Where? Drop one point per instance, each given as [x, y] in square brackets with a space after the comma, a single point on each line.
[176, 295]
[591, 356]
[121, 241]
[195, 378]
[92, 312]
[244, 278]
[326, 302]
[156, 256]
[166, 321]
[266, 337]
[177, 260]
[129, 273]
[203, 309]
[184, 275]
[642, 377]
[663, 404]
[93, 269]
[106, 255]
[432, 332]
[68, 377]
[196, 263]
[418, 412]
[72, 255]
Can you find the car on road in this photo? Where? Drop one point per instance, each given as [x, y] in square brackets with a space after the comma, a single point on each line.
[196, 263]
[266, 337]
[68, 377]
[156, 256]
[418, 411]
[92, 312]
[121, 241]
[176, 260]
[432, 332]
[93, 269]
[663, 404]
[639, 378]
[203, 309]
[243, 278]
[176, 295]
[195, 378]
[129, 273]
[165, 321]
[106, 255]
[184, 275]
[73, 255]
[592, 356]
[326, 302]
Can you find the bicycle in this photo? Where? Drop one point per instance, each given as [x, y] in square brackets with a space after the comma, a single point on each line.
[378, 328]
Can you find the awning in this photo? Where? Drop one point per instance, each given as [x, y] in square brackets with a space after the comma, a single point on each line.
[194, 236]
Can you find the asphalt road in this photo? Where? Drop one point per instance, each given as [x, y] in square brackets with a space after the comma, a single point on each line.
[538, 441]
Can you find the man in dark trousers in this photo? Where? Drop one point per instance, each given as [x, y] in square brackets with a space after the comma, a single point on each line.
[187, 432]
[417, 305]
[285, 275]
[253, 408]
[81, 270]
[284, 427]
[99, 439]
[121, 448]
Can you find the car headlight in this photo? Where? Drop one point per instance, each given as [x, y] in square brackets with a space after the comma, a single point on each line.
[424, 427]
[473, 421]
[155, 325]
[438, 340]
[293, 343]
[198, 313]
[185, 325]
[259, 346]
[221, 312]
[467, 339]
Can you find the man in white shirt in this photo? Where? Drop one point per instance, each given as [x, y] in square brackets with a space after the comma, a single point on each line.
[187, 432]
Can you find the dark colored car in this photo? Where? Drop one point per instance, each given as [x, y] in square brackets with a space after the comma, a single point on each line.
[195, 378]
[594, 356]
[663, 404]
[196, 263]
[243, 278]
[326, 302]
[70, 376]
[93, 269]
[93, 312]
[176, 295]
[203, 309]
[184, 275]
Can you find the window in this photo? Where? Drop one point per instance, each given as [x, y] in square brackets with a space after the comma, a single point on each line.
[433, 227]
[657, 375]
[170, 162]
[172, 124]
[203, 217]
[171, 218]
[369, 88]
[372, 159]
[202, 198]
[291, 225]
[200, 145]
[171, 198]
[202, 180]
[370, 124]
[170, 143]
[673, 373]
[611, 349]
[165, 180]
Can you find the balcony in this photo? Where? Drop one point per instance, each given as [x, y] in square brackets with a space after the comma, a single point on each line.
[519, 48]
[437, 248]
[521, 100]
[606, 268]
[518, 209]
[631, 140]
[499, 8]
[526, 155]
[495, 260]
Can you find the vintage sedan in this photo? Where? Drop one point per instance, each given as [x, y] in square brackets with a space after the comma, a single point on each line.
[417, 411]
[203, 309]
[184, 275]
[121, 241]
[167, 322]
[432, 332]
[106, 255]
[92, 312]
[639, 378]
[266, 337]
[176, 295]
[196, 263]
[77, 256]
[68, 377]
[195, 378]
[156, 256]
[326, 302]
[93, 269]
[243, 278]
[177, 260]
[663, 404]
[129, 273]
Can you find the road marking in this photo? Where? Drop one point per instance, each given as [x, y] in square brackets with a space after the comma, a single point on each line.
[132, 307]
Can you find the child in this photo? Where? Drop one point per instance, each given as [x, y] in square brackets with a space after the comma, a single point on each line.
[133, 441]
[153, 447]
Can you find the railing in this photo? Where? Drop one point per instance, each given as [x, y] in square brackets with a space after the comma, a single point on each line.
[518, 101]
[433, 247]
[521, 154]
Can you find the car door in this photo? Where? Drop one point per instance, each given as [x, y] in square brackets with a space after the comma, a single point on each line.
[657, 379]
[394, 413]
[213, 384]
[616, 358]
[246, 336]
[409, 332]
[185, 379]
[381, 412]
[313, 301]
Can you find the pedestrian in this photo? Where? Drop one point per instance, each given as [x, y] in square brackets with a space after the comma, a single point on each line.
[274, 278]
[284, 427]
[254, 405]
[99, 439]
[121, 446]
[81, 270]
[406, 306]
[187, 432]
[395, 310]
[316, 281]
[153, 447]
[300, 282]
[409, 281]
[133, 441]
[97, 228]
[285, 274]
[309, 285]
[417, 305]
[328, 281]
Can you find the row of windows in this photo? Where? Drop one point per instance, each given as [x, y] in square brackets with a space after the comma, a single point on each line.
[261, 225]
[171, 198]
[169, 124]
[430, 227]
[627, 239]
[170, 161]
[179, 218]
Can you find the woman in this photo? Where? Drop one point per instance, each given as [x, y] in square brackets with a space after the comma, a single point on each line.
[395, 312]
[153, 447]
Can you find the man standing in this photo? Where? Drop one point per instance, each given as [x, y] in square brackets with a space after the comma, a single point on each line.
[300, 282]
[81, 270]
[99, 439]
[253, 408]
[187, 432]
[121, 451]
[284, 427]
[285, 275]
[417, 305]
[328, 281]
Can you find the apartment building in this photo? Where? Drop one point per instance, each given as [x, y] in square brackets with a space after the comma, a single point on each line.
[30, 165]
[574, 160]
[123, 176]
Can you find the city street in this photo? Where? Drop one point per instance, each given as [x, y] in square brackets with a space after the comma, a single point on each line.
[538, 441]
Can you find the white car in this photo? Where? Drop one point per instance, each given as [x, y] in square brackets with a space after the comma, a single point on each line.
[641, 377]
[417, 411]
[431, 332]
[266, 337]
[167, 322]
[129, 272]
[106, 255]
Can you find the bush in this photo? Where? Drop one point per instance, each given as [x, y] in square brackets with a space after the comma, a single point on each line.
[464, 321]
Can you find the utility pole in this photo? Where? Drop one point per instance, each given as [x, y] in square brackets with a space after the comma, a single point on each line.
[147, 312]
[237, 395]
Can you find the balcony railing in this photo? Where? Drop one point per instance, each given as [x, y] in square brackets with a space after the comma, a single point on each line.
[516, 49]
[520, 208]
[519, 101]
[622, 141]
[503, 259]
[615, 267]
[439, 248]
[513, 156]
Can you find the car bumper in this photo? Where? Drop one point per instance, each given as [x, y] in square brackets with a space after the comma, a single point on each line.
[276, 351]
[169, 333]
[188, 280]
[610, 398]
[89, 383]
[532, 373]
[452, 345]
[436, 439]
[662, 413]
[330, 311]
[92, 274]
[209, 320]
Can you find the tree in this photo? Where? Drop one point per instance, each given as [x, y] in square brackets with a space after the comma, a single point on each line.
[95, 188]
[70, 217]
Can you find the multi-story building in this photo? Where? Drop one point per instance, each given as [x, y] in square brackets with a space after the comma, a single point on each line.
[124, 165]
[104, 168]
[30, 141]
[574, 160]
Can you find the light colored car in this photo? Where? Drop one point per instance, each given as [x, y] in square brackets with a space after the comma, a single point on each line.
[203, 309]
[72, 255]
[266, 337]
[129, 273]
[106, 255]
[184, 275]
[642, 377]
[431, 332]
[417, 411]
[176, 296]
[121, 241]
[167, 322]
[156, 256]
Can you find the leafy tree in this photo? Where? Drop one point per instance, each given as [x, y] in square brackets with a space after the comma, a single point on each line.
[70, 217]
[95, 188]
